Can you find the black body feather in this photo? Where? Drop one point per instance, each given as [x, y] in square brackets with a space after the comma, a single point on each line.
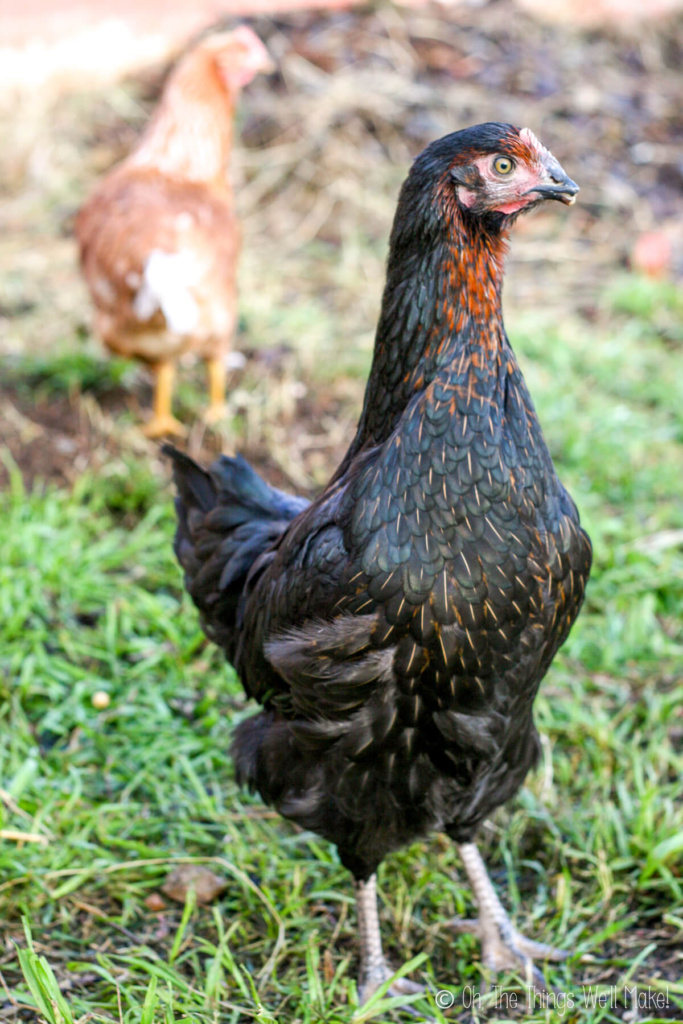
[397, 628]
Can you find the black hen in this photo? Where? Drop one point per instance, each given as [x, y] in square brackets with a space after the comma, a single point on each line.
[396, 629]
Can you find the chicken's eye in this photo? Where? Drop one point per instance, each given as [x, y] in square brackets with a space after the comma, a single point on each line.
[503, 165]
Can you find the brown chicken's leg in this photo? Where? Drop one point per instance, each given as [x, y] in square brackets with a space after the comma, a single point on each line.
[216, 371]
[163, 421]
[373, 967]
[503, 947]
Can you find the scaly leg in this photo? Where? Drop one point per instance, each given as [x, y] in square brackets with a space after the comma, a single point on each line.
[373, 967]
[216, 371]
[163, 422]
[503, 947]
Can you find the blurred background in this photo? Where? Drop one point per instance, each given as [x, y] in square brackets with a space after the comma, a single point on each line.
[323, 146]
[116, 713]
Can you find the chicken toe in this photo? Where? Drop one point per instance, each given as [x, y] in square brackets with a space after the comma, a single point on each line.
[400, 987]
[164, 426]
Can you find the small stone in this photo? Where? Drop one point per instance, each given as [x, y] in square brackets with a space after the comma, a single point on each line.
[155, 903]
[643, 153]
[587, 98]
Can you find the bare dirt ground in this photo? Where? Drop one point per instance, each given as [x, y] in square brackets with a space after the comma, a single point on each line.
[324, 145]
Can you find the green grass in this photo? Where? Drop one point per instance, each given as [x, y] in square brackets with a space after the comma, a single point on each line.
[589, 856]
[67, 372]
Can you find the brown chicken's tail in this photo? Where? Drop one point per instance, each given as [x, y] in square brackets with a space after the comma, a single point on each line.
[228, 518]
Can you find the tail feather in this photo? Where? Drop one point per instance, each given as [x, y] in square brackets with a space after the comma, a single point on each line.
[228, 517]
[194, 484]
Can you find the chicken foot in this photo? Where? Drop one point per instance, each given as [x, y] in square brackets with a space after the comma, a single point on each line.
[374, 969]
[503, 947]
[163, 421]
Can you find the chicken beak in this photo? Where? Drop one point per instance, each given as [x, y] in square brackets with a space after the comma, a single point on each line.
[559, 186]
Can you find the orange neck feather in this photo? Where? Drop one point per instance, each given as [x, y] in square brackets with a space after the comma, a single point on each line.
[190, 135]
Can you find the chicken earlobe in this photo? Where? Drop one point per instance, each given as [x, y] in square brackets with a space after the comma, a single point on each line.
[374, 969]
[503, 947]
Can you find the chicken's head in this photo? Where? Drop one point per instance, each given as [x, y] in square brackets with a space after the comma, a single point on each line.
[497, 168]
[239, 56]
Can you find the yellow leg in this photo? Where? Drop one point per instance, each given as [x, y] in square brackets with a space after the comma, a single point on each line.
[163, 422]
[216, 371]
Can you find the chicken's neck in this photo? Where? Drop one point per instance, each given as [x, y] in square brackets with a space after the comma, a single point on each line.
[190, 136]
[441, 317]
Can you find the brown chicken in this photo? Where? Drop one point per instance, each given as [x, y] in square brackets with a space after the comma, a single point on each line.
[159, 237]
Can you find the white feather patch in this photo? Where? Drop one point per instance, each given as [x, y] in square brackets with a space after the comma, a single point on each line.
[167, 285]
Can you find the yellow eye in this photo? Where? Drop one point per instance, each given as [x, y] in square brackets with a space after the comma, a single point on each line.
[503, 165]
